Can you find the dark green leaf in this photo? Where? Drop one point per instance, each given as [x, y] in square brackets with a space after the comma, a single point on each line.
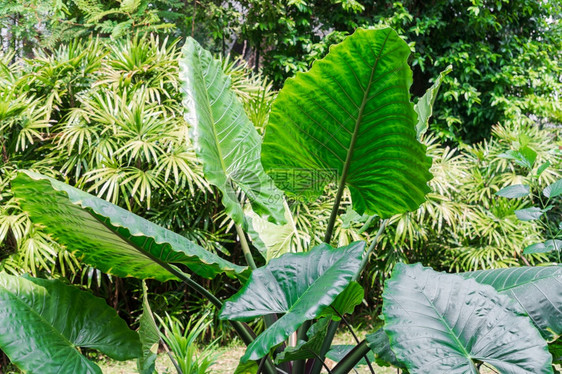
[108, 237]
[346, 301]
[442, 323]
[380, 346]
[350, 119]
[424, 107]
[42, 322]
[298, 285]
[250, 367]
[553, 190]
[548, 246]
[307, 349]
[555, 349]
[226, 141]
[537, 289]
[515, 191]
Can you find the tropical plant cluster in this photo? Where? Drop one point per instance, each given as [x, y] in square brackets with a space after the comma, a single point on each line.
[505, 54]
[342, 143]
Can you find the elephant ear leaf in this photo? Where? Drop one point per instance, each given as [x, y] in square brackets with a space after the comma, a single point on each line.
[349, 118]
[537, 289]
[226, 141]
[443, 323]
[43, 322]
[298, 285]
[424, 107]
[108, 237]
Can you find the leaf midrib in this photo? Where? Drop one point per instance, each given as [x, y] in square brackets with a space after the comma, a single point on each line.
[209, 106]
[359, 119]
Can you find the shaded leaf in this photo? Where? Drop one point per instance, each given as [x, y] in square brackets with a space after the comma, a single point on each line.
[346, 301]
[350, 119]
[442, 323]
[298, 285]
[307, 349]
[108, 237]
[42, 322]
[225, 140]
[380, 346]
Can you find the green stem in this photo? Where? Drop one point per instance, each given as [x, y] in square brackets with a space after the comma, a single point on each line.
[351, 359]
[245, 247]
[371, 248]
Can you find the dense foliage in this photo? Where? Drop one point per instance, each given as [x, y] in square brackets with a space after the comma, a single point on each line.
[505, 54]
[373, 169]
[98, 95]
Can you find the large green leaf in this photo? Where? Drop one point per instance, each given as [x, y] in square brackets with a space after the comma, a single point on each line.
[298, 285]
[351, 116]
[424, 106]
[43, 322]
[225, 140]
[537, 289]
[443, 323]
[108, 237]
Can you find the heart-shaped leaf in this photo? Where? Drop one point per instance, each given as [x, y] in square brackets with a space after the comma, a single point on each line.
[225, 140]
[42, 322]
[298, 285]
[108, 237]
[443, 323]
[350, 119]
[537, 289]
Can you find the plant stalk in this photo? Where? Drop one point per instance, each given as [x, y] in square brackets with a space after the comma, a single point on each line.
[326, 344]
[245, 247]
[371, 248]
[352, 358]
